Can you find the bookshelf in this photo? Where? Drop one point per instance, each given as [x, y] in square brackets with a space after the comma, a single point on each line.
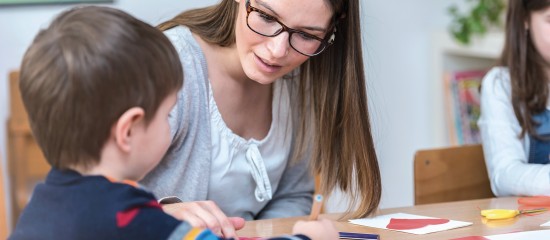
[448, 56]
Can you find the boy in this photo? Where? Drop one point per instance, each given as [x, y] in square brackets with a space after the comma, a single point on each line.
[98, 86]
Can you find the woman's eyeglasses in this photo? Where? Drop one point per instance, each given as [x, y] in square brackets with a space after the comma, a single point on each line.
[269, 26]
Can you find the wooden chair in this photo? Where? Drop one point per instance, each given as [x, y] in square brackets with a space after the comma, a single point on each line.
[450, 174]
[26, 163]
[3, 207]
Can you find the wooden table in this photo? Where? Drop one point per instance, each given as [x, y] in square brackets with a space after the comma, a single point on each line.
[467, 211]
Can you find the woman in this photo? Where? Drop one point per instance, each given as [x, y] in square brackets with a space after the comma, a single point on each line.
[515, 115]
[274, 91]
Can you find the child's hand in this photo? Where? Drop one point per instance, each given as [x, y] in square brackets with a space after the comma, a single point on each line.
[205, 214]
[318, 230]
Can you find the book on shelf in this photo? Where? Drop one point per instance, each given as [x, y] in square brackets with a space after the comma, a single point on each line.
[462, 96]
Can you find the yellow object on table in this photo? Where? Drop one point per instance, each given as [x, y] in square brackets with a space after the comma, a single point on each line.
[494, 214]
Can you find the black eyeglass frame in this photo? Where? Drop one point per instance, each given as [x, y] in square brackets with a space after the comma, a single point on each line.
[324, 42]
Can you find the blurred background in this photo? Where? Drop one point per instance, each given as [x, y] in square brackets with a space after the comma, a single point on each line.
[409, 56]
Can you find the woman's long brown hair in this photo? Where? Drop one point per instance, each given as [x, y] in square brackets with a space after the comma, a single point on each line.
[332, 105]
[528, 79]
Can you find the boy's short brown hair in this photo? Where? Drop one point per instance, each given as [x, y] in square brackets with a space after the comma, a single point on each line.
[87, 68]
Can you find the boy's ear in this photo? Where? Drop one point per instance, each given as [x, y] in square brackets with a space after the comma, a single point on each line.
[126, 123]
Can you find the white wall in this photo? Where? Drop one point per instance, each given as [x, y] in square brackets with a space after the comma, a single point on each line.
[398, 65]
[397, 37]
[397, 52]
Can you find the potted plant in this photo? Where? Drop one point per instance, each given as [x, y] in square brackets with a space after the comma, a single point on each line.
[483, 15]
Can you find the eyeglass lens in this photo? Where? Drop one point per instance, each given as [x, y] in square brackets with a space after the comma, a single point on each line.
[268, 26]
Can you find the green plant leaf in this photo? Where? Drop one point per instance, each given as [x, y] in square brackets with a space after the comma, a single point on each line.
[482, 15]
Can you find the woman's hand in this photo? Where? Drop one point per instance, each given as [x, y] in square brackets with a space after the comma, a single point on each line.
[205, 214]
[321, 229]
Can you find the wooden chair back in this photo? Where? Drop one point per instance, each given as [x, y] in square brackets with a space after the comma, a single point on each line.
[450, 174]
[26, 164]
[3, 207]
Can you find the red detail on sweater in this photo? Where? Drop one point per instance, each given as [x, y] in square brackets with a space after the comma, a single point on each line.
[153, 204]
[408, 224]
[125, 217]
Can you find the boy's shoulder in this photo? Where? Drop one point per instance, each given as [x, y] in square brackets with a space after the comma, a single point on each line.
[70, 206]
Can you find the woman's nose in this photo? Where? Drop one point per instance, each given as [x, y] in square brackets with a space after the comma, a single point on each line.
[279, 45]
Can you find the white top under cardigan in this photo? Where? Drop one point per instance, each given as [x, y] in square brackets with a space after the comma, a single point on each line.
[506, 154]
[186, 169]
[257, 165]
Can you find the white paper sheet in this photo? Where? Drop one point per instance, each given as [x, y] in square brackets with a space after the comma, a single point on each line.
[383, 221]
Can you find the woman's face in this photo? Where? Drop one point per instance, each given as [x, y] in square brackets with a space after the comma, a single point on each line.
[265, 59]
[539, 28]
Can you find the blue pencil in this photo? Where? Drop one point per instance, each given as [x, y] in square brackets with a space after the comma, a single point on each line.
[359, 236]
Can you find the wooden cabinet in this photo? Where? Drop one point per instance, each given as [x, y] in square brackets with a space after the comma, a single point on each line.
[26, 163]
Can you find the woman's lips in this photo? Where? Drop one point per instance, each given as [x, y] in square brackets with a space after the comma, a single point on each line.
[266, 67]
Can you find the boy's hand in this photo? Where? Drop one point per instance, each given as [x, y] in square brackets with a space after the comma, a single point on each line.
[205, 214]
[321, 229]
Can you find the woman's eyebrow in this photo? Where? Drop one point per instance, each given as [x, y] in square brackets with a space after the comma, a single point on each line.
[311, 28]
[317, 29]
[265, 5]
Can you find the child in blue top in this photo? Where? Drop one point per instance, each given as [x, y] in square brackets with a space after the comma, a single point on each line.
[515, 105]
[98, 86]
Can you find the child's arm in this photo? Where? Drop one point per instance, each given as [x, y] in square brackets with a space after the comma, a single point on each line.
[319, 230]
[505, 154]
[205, 214]
[183, 232]
[147, 220]
[303, 230]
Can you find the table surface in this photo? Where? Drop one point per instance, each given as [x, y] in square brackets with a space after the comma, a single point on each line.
[468, 211]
